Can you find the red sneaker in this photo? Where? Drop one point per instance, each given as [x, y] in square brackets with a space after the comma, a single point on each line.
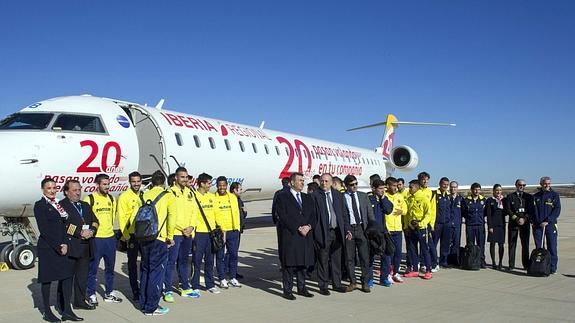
[411, 274]
[428, 276]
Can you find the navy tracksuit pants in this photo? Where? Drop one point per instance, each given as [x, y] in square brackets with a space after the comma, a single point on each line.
[178, 255]
[395, 260]
[422, 237]
[203, 252]
[551, 241]
[476, 235]
[105, 248]
[152, 271]
[132, 252]
[227, 260]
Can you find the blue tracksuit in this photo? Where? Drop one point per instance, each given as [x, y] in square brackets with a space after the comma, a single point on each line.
[547, 209]
[227, 258]
[474, 213]
[178, 255]
[203, 251]
[381, 207]
[441, 231]
[454, 228]
[152, 271]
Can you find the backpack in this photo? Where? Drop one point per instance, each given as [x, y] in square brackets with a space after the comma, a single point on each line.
[471, 257]
[146, 221]
[540, 261]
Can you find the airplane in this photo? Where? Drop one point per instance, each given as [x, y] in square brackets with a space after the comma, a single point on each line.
[77, 137]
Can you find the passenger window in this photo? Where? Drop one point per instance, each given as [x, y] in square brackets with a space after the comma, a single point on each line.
[197, 141]
[287, 151]
[312, 155]
[255, 147]
[228, 146]
[277, 150]
[179, 139]
[242, 148]
[267, 149]
[304, 154]
[212, 142]
[80, 123]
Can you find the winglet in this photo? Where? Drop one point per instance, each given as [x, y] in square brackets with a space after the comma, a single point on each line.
[160, 104]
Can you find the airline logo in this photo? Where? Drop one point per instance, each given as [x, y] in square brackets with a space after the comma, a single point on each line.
[123, 121]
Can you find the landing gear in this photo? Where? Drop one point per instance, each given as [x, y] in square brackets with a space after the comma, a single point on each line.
[19, 255]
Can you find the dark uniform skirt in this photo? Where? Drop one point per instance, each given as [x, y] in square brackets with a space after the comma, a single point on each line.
[51, 265]
[497, 236]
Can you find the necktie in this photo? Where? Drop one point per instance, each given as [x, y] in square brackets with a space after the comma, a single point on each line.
[332, 218]
[79, 208]
[355, 209]
[298, 200]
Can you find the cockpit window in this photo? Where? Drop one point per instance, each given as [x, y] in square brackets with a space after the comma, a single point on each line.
[81, 123]
[17, 121]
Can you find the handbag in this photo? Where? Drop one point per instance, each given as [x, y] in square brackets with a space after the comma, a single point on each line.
[216, 235]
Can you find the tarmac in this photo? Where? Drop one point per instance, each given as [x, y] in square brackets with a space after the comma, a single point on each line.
[452, 295]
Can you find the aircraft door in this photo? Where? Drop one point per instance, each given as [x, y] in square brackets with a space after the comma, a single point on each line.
[150, 143]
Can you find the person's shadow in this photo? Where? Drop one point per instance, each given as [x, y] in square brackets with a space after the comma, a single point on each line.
[36, 293]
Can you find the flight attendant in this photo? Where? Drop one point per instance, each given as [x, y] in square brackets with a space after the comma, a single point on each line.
[53, 262]
[495, 214]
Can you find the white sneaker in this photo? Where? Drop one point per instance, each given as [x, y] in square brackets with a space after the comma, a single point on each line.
[214, 290]
[397, 278]
[390, 279]
[435, 269]
[235, 283]
[224, 284]
[93, 300]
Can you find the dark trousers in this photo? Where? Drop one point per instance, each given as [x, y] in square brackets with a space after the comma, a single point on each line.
[442, 238]
[63, 296]
[551, 242]
[178, 254]
[329, 260]
[394, 260]
[203, 251]
[132, 252]
[152, 270]
[229, 253]
[358, 242]
[475, 234]
[454, 245]
[433, 242]
[288, 273]
[421, 237]
[521, 231]
[81, 268]
[408, 246]
[106, 249]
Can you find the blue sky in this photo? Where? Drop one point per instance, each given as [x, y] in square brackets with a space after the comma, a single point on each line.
[504, 71]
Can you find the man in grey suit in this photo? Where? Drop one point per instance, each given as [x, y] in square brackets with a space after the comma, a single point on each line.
[360, 215]
[329, 234]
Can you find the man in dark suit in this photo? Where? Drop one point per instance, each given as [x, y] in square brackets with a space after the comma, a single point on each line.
[81, 227]
[360, 215]
[329, 234]
[297, 217]
[519, 206]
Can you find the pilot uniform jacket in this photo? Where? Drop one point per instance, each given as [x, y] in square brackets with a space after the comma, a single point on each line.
[519, 207]
[51, 264]
[321, 231]
[78, 247]
[296, 250]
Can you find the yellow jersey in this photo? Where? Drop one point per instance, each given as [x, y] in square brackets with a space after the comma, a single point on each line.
[165, 209]
[128, 204]
[186, 208]
[104, 207]
[229, 210]
[393, 221]
[208, 203]
[418, 209]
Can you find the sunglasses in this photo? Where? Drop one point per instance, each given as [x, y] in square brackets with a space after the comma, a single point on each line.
[353, 184]
[521, 185]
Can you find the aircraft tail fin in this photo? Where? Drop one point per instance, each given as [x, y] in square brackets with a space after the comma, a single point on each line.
[391, 123]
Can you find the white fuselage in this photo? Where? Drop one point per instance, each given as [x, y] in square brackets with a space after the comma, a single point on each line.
[134, 137]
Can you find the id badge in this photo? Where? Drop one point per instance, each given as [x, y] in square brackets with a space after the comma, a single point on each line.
[521, 210]
[85, 227]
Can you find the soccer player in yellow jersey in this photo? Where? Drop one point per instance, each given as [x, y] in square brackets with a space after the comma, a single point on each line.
[418, 215]
[128, 204]
[203, 247]
[394, 224]
[227, 204]
[185, 219]
[104, 207]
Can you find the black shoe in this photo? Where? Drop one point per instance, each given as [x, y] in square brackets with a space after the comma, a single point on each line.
[239, 276]
[305, 293]
[500, 267]
[84, 306]
[339, 289]
[494, 267]
[483, 266]
[71, 317]
[48, 316]
[510, 268]
[324, 292]
[289, 296]
[136, 297]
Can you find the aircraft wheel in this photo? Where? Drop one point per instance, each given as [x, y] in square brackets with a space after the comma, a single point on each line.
[23, 257]
[5, 254]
